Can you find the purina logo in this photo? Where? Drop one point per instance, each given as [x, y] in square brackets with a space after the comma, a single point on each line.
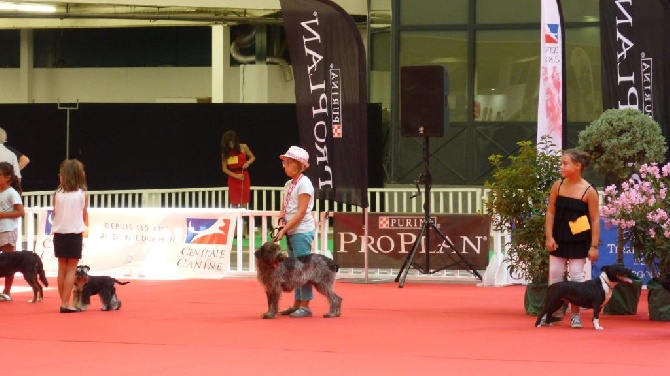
[401, 223]
[551, 33]
[207, 231]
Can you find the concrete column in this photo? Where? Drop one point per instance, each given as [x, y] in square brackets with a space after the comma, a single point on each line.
[220, 62]
[26, 66]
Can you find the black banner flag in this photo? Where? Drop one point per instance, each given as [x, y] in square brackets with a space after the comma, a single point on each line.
[634, 47]
[329, 66]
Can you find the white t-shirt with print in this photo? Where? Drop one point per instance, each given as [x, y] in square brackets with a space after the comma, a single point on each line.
[8, 198]
[303, 186]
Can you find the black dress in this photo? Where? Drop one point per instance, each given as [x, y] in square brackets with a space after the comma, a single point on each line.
[570, 246]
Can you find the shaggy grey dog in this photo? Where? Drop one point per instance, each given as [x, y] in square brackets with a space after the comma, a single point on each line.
[277, 273]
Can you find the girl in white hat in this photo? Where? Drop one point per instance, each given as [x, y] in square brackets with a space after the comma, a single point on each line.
[297, 221]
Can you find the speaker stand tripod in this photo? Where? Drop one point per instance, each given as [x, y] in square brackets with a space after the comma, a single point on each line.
[428, 225]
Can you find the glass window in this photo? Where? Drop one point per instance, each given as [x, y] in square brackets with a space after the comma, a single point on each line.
[10, 44]
[432, 12]
[507, 75]
[505, 12]
[580, 10]
[448, 48]
[582, 55]
[380, 68]
[123, 47]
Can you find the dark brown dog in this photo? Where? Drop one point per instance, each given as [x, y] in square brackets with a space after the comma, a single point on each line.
[30, 265]
[277, 273]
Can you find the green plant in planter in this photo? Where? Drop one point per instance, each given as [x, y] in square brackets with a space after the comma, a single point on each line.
[517, 203]
[620, 141]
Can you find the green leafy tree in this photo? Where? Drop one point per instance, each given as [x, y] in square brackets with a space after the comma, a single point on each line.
[517, 203]
[620, 141]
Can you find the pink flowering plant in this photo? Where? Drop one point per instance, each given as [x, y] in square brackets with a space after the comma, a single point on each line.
[640, 208]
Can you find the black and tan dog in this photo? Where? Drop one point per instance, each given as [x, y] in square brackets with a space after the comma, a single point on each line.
[277, 273]
[588, 294]
[87, 285]
[30, 265]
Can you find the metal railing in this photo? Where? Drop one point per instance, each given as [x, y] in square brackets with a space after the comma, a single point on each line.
[265, 204]
[382, 200]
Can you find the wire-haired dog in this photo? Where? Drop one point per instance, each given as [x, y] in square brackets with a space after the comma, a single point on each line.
[86, 285]
[30, 265]
[277, 273]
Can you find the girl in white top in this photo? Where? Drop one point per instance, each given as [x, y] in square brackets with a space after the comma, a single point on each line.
[70, 220]
[11, 209]
[297, 221]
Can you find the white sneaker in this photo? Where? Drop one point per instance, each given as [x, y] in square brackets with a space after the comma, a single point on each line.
[575, 322]
[5, 297]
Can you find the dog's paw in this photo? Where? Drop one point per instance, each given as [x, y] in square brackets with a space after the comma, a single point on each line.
[35, 300]
[596, 325]
[268, 315]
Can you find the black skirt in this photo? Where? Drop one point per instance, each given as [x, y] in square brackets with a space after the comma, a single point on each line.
[68, 245]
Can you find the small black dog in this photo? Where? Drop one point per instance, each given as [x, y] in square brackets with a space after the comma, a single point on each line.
[30, 265]
[588, 294]
[277, 273]
[86, 285]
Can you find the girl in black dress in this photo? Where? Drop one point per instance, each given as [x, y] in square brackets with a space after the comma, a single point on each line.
[572, 224]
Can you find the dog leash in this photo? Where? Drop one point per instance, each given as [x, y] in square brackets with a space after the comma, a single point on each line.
[274, 232]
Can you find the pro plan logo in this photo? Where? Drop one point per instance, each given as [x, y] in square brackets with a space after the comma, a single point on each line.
[551, 33]
[402, 223]
[207, 231]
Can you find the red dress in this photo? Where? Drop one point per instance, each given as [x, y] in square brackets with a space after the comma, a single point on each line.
[238, 190]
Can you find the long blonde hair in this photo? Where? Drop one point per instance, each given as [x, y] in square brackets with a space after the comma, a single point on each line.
[72, 176]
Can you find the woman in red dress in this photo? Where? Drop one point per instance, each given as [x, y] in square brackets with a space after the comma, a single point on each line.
[235, 161]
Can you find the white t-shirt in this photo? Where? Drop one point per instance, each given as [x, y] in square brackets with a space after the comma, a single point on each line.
[69, 212]
[7, 155]
[303, 186]
[8, 198]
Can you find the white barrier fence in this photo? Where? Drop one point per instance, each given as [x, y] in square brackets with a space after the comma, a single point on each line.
[266, 203]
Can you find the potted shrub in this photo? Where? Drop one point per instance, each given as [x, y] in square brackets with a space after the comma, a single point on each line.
[641, 209]
[517, 203]
[620, 141]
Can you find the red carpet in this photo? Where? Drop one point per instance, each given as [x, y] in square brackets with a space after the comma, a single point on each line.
[213, 327]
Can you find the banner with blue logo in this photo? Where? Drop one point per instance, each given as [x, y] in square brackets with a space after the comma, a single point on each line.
[551, 109]
[151, 243]
[607, 255]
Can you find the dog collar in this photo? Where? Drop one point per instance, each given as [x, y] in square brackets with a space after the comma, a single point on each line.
[606, 282]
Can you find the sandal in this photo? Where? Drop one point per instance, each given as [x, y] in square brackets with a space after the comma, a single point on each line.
[69, 310]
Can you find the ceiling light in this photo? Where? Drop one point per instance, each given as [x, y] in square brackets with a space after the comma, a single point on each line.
[24, 7]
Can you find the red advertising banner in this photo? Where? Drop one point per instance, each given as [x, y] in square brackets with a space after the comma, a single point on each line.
[391, 238]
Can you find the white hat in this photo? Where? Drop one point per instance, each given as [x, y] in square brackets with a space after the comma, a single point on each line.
[297, 153]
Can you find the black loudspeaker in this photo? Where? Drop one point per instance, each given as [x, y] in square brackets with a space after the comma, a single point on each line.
[424, 111]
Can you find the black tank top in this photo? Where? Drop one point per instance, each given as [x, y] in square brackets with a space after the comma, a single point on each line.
[568, 209]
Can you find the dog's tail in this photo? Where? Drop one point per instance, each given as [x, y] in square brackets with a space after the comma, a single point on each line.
[39, 270]
[332, 265]
[119, 282]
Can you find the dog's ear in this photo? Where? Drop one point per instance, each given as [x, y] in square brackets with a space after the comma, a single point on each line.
[88, 268]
